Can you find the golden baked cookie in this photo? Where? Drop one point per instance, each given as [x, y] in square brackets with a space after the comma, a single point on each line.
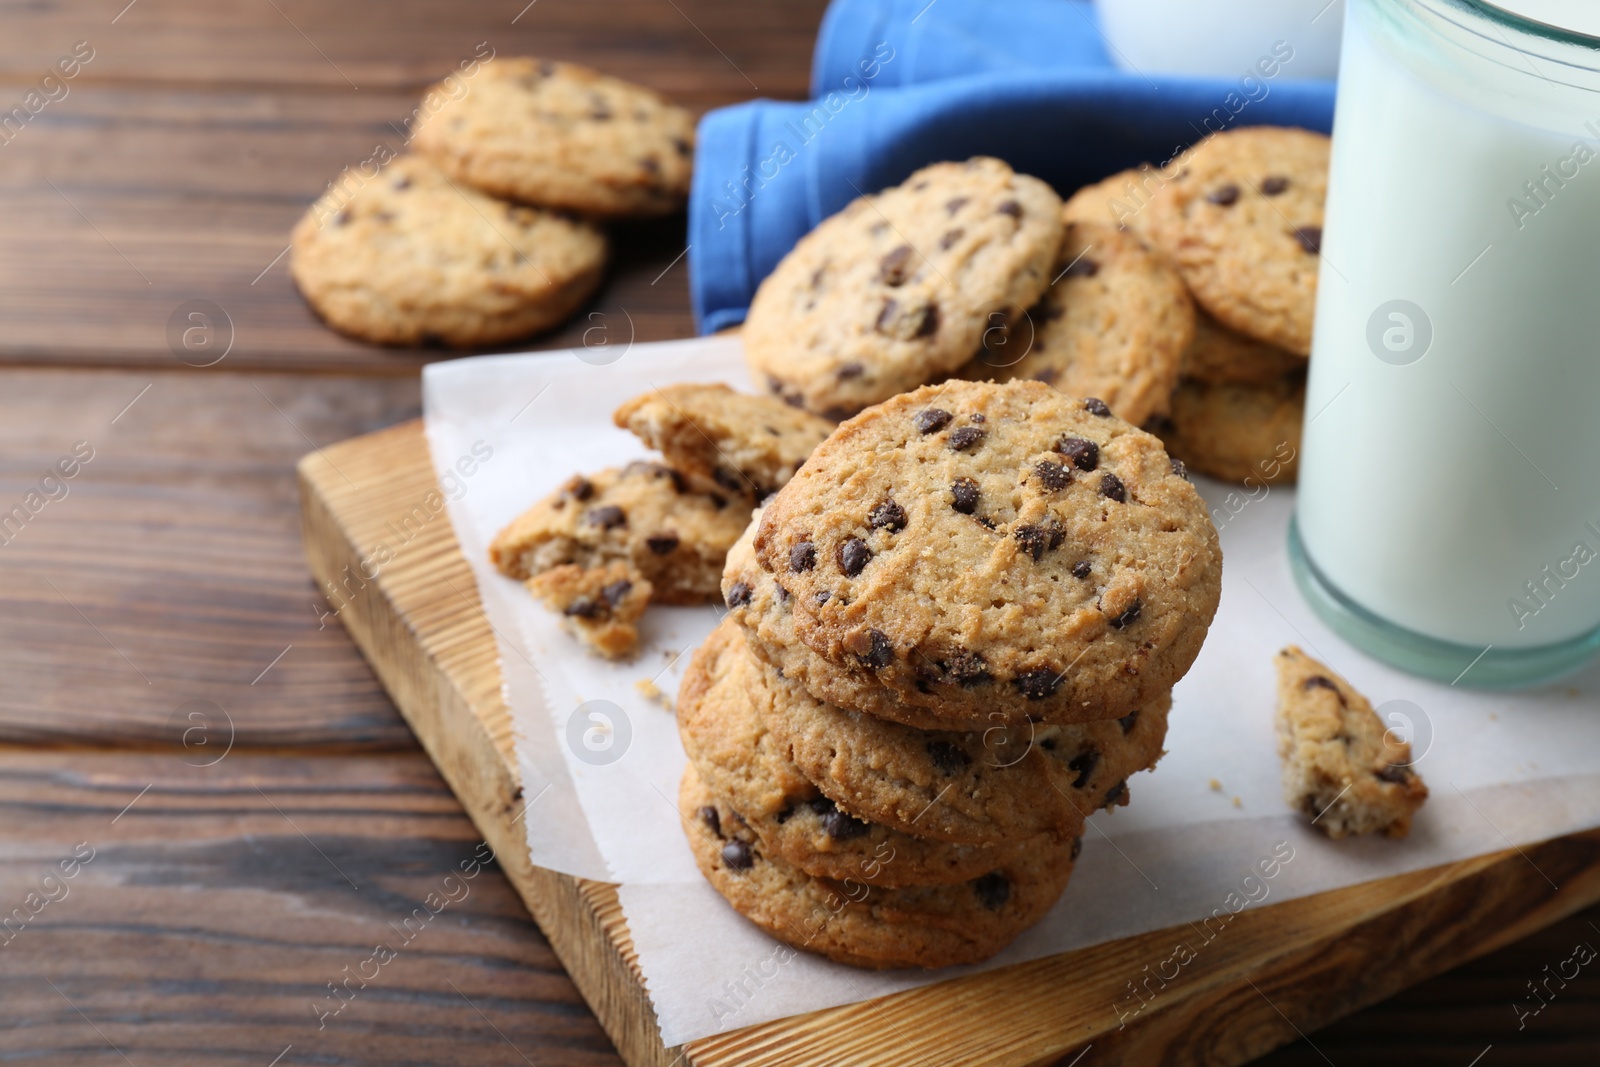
[1238, 433]
[900, 287]
[412, 258]
[563, 136]
[601, 606]
[1220, 356]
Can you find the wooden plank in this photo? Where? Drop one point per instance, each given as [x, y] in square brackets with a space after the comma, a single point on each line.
[189, 146]
[1279, 971]
[171, 570]
[217, 903]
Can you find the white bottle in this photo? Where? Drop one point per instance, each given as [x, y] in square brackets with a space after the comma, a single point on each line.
[1448, 516]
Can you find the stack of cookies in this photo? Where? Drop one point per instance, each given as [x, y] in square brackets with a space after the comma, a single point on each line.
[951, 637]
[1181, 296]
[489, 233]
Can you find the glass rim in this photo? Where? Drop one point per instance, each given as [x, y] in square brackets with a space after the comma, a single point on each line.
[1524, 24]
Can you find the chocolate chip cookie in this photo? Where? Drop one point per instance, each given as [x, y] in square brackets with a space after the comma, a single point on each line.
[644, 515]
[996, 550]
[1244, 228]
[1220, 356]
[864, 925]
[409, 258]
[563, 136]
[1342, 766]
[900, 287]
[1120, 200]
[601, 606]
[1114, 324]
[1238, 433]
[762, 796]
[748, 445]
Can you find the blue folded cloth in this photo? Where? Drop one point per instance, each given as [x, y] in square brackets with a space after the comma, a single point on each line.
[955, 38]
[767, 172]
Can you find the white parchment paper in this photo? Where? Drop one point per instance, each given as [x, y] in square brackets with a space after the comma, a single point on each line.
[601, 761]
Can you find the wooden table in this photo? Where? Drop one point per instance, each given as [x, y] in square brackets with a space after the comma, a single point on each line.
[173, 703]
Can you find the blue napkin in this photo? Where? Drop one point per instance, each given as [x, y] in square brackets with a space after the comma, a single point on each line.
[954, 38]
[766, 172]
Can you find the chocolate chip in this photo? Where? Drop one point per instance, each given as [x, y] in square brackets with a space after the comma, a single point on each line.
[966, 669]
[1225, 195]
[600, 114]
[1310, 238]
[1317, 681]
[951, 237]
[822, 805]
[580, 488]
[713, 821]
[585, 608]
[342, 218]
[928, 323]
[887, 515]
[886, 316]
[783, 594]
[1085, 455]
[1180, 470]
[931, 420]
[662, 544]
[401, 182]
[894, 268]
[993, 890]
[947, 759]
[822, 597]
[732, 481]
[1039, 684]
[880, 651]
[955, 205]
[1053, 476]
[1010, 207]
[1082, 268]
[1077, 846]
[852, 556]
[1395, 773]
[739, 594]
[1274, 185]
[1129, 616]
[986, 522]
[1037, 538]
[816, 278]
[1084, 764]
[841, 826]
[802, 557]
[607, 518]
[649, 165]
[1095, 406]
[851, 370]
[1117, 794]
[616, 591]
[1111, 488]
[736, 855]
[977, 416]
[965, 438]
[546, 68]
[1081, 569]
[965, 491]
[682, 147]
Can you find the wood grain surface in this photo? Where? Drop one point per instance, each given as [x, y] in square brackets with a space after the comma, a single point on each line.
[212, 916]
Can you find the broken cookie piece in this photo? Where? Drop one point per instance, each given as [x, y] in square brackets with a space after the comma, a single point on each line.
[599, 605]
[1342, 765]
[748, 445]
[645, 515]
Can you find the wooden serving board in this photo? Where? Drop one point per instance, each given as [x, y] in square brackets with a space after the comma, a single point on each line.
[1281, 971]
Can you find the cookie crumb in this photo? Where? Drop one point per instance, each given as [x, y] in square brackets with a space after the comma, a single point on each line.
[1238, 803]
[653, 692]
[1216, 786]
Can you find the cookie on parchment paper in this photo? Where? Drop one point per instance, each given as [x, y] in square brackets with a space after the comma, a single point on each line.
[644, 514]
[749, 445]
[561, 135]
[996, 550]
[1114, 324]
[1243, 225]
[412, 258]
[900, 287]
[1342, 766]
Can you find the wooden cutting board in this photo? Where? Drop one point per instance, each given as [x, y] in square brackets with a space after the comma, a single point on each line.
[1277, 973]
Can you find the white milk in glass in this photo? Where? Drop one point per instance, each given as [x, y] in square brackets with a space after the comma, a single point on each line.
[1450, 483]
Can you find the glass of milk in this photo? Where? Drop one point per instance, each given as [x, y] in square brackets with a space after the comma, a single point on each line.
[1223, 38]
[1448, 515]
